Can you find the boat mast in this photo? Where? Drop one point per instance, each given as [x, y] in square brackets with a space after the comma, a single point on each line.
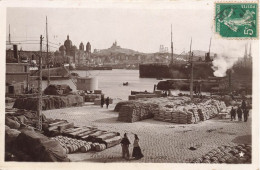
[171, 47]
[191, 75]
[9, 35]
[39, 111]
[47, 45]
[209, 45]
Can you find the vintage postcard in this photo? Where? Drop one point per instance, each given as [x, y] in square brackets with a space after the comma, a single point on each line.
[129, 84]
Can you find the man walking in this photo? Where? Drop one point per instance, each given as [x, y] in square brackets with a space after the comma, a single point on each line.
[102, 101]
[107, 102]
[233, 114]
[125, 147]
[239, 113]
[246, 111]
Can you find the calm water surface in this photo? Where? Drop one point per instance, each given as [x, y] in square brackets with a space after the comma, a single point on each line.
[111, 82]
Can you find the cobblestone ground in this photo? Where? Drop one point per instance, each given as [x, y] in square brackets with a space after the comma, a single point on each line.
[159, 141]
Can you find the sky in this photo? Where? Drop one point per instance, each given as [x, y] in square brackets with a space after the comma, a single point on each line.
[140, 29]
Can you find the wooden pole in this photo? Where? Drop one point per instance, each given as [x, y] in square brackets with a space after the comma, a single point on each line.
[39, 112]
[171, 47]
[48, 60]
[191, 74]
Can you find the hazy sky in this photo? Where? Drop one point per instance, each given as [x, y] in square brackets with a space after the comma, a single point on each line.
[138, 29]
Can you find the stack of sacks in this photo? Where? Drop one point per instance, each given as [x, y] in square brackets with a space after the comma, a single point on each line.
[182, 115]
[136, 112]
[122, 103]
[159, 115]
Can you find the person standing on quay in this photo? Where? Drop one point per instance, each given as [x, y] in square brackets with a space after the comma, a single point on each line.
[239, 113]
[107, 102]
[233, 114]
[246, 111]
[125, 147]
[137, 153]
[102, 101]
[243, 105]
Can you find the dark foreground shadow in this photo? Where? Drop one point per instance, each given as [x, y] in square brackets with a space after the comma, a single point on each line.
[111, 160]
[246, 139]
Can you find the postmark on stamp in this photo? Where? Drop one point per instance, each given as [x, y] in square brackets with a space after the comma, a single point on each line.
[236, 20]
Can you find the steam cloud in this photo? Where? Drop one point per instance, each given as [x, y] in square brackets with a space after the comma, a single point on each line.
[230, 53]
[221, 64]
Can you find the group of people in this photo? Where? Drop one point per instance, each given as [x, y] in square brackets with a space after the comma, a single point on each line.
[103, 101]
[137, 153]
[241, 110]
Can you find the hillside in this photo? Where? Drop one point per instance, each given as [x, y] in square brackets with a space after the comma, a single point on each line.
[116, 50]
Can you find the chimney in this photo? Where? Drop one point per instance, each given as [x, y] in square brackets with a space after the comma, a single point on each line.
[15, 52]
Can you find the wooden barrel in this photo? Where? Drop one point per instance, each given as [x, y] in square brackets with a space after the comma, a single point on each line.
[100, 147]
[206, 161]
[214, 158]
[210, 154]
[222, 160]
[85, 148]
[206, 157]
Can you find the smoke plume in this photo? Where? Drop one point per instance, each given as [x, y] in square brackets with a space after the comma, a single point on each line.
[221, 64]
[230, 53]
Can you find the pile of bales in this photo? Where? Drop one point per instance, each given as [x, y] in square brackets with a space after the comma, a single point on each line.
[239, 154]
[172, 109]
[137, 112]
[48, 102]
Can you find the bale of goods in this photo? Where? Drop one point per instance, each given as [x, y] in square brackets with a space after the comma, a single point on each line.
[48, 102]
[92, 136]
[65, 126]
[54, 89]
[34, 143]
[86, 134]
[131, 97]
[227, 154]
[138, 96]
[112, 141]
[91, 97]
[105, 136]
[12, 123]
[75, 133]
[97, 91]
[10, 137]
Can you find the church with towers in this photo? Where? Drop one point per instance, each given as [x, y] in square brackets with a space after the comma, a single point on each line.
[75, 55]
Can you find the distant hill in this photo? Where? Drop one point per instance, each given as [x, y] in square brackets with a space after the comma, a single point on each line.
[116, 50]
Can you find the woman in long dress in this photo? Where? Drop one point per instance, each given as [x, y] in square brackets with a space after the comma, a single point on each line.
[137, 153]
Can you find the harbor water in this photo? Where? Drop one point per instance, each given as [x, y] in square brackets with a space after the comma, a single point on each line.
[111, 82]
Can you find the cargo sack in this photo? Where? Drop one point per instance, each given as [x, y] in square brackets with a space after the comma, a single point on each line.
[12, 123]
[33, 143]
[10, 137]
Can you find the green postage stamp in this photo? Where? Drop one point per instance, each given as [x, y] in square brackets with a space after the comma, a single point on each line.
[236, 20]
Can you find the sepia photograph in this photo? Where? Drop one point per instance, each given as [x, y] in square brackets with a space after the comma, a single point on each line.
[132, 84]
